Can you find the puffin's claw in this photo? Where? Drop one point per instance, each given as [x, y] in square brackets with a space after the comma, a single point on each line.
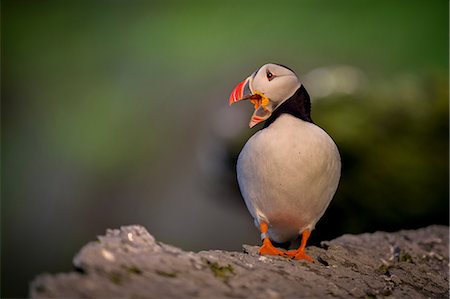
[299, 255]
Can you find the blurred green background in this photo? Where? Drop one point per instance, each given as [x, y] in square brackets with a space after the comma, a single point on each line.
[116, 113]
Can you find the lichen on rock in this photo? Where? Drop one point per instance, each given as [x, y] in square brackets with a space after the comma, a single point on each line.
[129, 263]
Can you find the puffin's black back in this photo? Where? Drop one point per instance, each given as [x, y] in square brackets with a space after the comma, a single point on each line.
[298, 105]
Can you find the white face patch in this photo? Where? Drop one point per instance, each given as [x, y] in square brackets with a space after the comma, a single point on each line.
[276, 82]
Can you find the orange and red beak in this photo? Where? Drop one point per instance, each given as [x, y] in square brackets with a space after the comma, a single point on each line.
[243, 91]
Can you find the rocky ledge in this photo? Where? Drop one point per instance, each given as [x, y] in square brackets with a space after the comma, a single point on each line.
[129, 263]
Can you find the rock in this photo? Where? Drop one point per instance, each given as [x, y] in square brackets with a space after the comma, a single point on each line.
[130, 263]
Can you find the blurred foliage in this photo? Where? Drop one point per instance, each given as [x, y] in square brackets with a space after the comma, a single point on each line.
[394, 146]
[109, 112]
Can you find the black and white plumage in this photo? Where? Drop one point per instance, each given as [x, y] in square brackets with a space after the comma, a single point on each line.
[288, 172]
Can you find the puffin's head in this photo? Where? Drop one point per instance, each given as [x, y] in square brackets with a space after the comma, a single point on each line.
[267, 88]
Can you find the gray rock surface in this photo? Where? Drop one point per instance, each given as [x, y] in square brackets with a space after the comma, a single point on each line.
[130, 263]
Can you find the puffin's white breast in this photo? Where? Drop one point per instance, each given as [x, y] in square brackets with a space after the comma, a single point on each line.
[288, 174]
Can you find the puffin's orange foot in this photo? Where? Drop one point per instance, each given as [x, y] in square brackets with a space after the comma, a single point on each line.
[299, 255]
[268, 249]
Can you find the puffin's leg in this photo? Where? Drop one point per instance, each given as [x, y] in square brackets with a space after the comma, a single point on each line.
[300, 254]
[267, 248]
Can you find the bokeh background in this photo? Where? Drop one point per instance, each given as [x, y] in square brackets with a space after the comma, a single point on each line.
[116, 113]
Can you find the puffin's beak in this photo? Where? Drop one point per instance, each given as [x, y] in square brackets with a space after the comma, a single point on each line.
[242, 91]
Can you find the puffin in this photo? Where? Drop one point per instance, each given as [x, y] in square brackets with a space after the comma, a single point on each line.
[288, 171]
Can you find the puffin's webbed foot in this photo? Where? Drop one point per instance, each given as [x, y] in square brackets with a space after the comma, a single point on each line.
[267, 247]
[300, 254]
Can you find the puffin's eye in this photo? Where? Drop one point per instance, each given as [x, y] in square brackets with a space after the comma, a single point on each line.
[269, 75]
